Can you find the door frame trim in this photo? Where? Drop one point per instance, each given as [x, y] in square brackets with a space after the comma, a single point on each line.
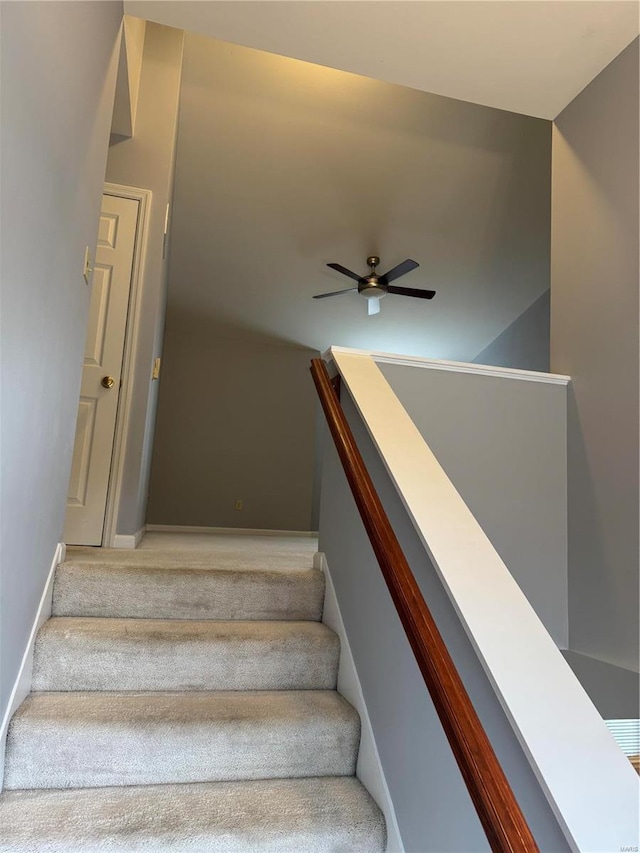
[132, 329]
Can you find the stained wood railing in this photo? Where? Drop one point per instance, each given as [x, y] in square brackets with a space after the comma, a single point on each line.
[495, 803]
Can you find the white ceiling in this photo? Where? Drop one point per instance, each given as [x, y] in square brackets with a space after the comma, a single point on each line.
[526, 56]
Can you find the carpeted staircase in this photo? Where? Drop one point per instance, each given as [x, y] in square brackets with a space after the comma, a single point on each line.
[180, 705]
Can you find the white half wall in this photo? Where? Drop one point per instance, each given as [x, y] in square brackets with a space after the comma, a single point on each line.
[432, 805]
[565, 769]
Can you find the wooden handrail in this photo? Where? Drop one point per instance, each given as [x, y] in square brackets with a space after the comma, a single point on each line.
[495, 803]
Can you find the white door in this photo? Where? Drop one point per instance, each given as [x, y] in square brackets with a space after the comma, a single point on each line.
[100, 390]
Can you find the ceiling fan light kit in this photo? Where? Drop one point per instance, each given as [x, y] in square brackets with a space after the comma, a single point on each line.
[374, 287]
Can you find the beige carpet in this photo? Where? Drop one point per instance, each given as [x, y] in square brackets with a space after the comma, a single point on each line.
[184, 700]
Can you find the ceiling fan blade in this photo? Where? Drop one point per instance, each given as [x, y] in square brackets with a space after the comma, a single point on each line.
[401, 269]
[373, 305]
[334, 293]
[412, 291]
[345, 271]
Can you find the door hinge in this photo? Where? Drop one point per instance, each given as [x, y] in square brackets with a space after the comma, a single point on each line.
[166, 231]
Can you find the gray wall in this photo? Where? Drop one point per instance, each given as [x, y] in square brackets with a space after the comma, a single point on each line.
[147, 161]
[283, 166]
[614, 691]
[525, 343]
[58, 69]
[433, 809]
[502, 442]
[594, 338]
[236, 421]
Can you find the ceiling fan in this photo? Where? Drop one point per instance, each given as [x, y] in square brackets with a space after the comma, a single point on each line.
[374, 286]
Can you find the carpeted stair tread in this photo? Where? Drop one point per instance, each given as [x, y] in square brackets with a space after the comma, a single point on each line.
[147, 591]
[91, 654]
[61, 740]
[275, 816]
[250, 552]
[184, 702]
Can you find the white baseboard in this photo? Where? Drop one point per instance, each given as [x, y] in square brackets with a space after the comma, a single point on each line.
[121, 540]
[369, 768]
[22, 684]
[229, 531]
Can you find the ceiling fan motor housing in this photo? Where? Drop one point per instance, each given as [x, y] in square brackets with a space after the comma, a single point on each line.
[370, 285]
[371, 288]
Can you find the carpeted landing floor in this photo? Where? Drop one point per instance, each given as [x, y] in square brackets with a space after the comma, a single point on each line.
[186, 701]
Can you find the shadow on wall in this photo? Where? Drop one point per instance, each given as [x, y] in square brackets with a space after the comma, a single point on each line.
[236, 422]
[590, 588]
[524, 344]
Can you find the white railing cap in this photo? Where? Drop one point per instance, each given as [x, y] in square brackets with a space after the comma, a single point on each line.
[453, 366]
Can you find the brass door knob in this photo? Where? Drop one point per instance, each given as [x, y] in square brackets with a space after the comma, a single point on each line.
[108, 382]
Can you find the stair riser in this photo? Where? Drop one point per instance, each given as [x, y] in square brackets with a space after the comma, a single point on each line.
[74, 662]
[279, 816]
[143, 593]
[103, 757]
[325, 839]
[231, 742]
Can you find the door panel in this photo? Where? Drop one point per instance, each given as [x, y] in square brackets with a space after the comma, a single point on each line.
[81, 450]
[95, 429]
[98, 316]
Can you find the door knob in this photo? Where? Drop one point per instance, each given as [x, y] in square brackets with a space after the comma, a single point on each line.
[108, 382]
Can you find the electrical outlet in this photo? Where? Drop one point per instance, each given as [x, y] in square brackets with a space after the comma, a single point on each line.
[238, 504]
